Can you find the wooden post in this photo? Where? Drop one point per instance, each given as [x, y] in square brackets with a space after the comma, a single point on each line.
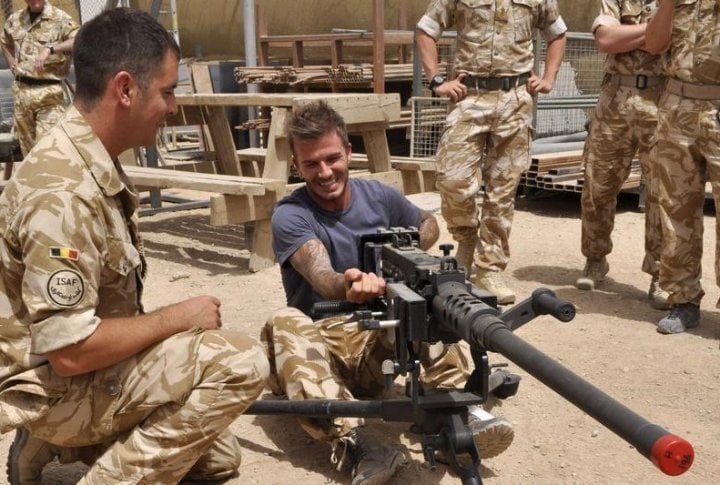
[379, 46]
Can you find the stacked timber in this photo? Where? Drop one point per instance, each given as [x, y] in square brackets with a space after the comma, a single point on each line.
[322, 75]
[564, 171]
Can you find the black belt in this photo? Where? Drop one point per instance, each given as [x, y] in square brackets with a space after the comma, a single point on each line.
[505, 83]
[36, 82]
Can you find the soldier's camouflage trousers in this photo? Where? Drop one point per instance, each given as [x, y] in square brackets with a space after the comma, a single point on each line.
[486, 142]
[621, 126]
[36, 109]
[320, 360]
[687, 154]
[154, 418]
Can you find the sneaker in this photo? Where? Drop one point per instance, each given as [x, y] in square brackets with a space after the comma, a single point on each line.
[372, 463]
[657, 296]
[27, 458]
[682, 317]
[593, 274]
[490, 281]
[492, 435]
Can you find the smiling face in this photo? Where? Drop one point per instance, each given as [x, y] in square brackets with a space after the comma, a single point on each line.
[157, 101]
[324, 165]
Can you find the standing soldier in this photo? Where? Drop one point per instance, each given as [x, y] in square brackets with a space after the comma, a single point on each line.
[688, 148]
[37, 42]
[622, 125]
[488, 131]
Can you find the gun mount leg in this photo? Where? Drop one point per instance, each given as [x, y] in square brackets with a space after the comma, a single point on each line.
[454, 441]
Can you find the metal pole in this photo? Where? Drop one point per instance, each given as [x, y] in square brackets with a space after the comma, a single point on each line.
[250, 60]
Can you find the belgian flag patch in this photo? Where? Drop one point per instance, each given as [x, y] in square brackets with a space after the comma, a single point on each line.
[64, 253]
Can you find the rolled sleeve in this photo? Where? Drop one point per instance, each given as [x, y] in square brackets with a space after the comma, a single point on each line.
[62, 329]
[554, 30]
[430, 27]
[603, 20]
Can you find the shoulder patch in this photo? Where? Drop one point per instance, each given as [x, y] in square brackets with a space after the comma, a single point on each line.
[64, 253]
[66, 288]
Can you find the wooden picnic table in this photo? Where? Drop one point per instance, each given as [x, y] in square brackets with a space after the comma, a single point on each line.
[365, 114]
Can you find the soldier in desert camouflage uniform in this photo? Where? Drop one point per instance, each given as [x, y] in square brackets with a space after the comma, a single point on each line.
[687, 152]
[622, 125]
[487, 134]
[315, 232]
[37, 42]
[87, 374]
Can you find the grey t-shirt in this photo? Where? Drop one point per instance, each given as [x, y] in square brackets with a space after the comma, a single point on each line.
[297, 219]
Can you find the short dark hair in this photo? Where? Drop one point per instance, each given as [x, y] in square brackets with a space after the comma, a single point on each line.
[313, 120]
[118, 39]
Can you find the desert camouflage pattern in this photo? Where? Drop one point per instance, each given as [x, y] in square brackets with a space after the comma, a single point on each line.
[621, 127]
[327, 360]
[695, 32]
[37, 108]
[28, 39]
[629, 12]
[486, 142]
[71, 255]
[494, 36]
[687, 155]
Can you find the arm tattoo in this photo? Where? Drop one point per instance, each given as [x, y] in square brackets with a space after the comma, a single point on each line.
[312, 261]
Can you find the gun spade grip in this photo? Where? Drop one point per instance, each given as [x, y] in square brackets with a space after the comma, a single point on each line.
[544, 302]
[672, 454]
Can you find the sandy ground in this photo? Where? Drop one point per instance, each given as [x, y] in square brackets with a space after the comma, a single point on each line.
[673, 381]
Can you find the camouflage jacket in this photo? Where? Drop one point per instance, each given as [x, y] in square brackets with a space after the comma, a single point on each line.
[695, 45]
[629, 12]
[28, 39]
[70, 252]
[494, 37]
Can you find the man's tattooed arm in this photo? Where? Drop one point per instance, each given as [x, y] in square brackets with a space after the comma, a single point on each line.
[312, 261]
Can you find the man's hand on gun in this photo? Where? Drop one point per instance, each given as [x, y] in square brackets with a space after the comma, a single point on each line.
[363, 287]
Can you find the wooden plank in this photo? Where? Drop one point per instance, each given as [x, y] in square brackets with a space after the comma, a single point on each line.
[356, 108]
[378, 11]
[227, 184]
[377, 149]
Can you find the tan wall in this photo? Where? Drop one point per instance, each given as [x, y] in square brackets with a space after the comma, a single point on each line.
[215, 27]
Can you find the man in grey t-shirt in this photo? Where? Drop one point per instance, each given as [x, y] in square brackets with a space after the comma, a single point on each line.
[314, 239]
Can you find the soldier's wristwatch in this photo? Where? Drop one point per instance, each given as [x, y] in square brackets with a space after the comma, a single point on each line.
[436, 81]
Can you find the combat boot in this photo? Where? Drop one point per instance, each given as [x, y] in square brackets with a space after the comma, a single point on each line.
[593, 274]
[372, 463]
[657, 296]
[491, 282]
[27, 458]
[682, 317]
[465, 255]
[492, 435]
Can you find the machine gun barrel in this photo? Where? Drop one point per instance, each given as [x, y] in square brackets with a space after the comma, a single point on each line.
[469, 319]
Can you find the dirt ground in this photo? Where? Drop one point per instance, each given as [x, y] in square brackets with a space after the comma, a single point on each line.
[673, 381]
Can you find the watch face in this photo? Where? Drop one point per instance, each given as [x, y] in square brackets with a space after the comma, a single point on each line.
[437, 80]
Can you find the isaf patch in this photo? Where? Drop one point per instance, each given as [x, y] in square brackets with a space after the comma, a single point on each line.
[66, 288]
[64, 253]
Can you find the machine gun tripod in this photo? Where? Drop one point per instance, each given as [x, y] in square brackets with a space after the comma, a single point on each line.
[428, 299]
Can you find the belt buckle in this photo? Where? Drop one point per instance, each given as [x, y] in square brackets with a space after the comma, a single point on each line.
[641, 81]
[482, 83]
[506, 84]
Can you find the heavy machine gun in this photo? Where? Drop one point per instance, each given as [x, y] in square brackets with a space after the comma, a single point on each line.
[428, 299]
